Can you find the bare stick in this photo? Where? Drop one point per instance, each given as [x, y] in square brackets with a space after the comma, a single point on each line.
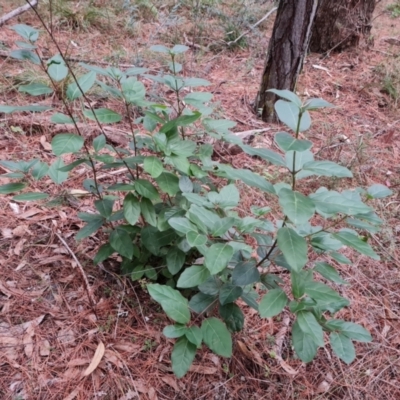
[17, 11]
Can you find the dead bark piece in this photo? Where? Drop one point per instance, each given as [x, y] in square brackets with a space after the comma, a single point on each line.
[18, 11]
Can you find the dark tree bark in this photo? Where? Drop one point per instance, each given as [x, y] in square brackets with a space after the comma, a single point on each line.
[287, 48]
[340, 24]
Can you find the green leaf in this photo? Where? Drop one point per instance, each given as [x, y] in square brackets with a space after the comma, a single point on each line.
[31, 196]
[180, 163]
[229, 196]
[340, 258]
[289, 114]
[250, 298]
[168, 183]
[350, 329]
[328, 272]
[228, 293]
[218, 257]
[196, 239]
[66, 143]
[193, 276]
[131, 209]
[103, 115]
[314, 104]
[287, 95]
[201, 302]
[59, 118]
[265, 154]
[25, 55]
[272, 303]
[146, 189]
[222, 226]
[104, 206]
[362, 225]
[57, 68]
[35, 89]
[343, 347]
[310, 326]
[250, 178]
[185, 184]
[303, 344]
[90, 228]
[122, 243]
[217, 337]
[245, 273]
[99, 143]
[195, 82]
[296, 206]
[184, 148]
[172, 302]
[326, 298]
[356, 243]
[148, 211]
[175, 260]
[182, 225]
[378, 191]
[174, 331]
[54, 172]
[327, 168]
[11, 187]
[159, 48]
[103, 253]
[153, 239]
[232, 316]
[287, 142]
[26, 31]
[153, 166]
[194, 335]
[293, 247]
[182, 356]
[204, 219]
[31, 108]
[85, 84]
[197, 97]
[301, 159]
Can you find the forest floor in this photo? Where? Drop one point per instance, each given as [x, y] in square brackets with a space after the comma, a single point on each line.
[49, 332]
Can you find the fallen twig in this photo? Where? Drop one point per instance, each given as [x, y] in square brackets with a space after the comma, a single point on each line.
[17, 11]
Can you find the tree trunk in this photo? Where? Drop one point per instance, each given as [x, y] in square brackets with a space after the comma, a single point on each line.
[287, 48]
[340, 24]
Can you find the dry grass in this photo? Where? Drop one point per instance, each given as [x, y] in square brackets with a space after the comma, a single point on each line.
[49, 331]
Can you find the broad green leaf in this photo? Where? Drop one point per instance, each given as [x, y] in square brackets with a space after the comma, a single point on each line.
[340, 258]
[35, 89]
[350, 329]
[146, 189]
[194, 335]
[378, 191]
[229, 196]
[265, 154]
[362, 225]
[150, 273]
[202, 302]
[103, 115]
[180, 163]
[59, 118]
[122, 243]
[148, 211]
[217, 337]
[356, 243]
[289, 114]
[193, 276]
[287, 95]
[153, 239]
[54, 172]
[314, 104]
[250, 178]
[57, 68]
[303, 344]
[85, 83]
[197, 97]
[12, 187]
[228, 293]
[182, 225]
[168, 183]
[182, 356]
[26, 31]
[185, 184]
[31, 108]
[272, 303]
[179, 48]
[331, 202]
[287, 142]
[25, 54]
[245, 273]
[104, 206]
[310, 326]
[293, 247]
[136, 71]
[175, 260]
[328, 272]
[153, 166]
[174, 331]
[195, 82]
[66, 143]
[343, 347]
[90, 228]
[222, 226]
[250, 298]
[131, 209]
[31, 196]
[183, 120]
[196, 239]
[172, 302]
[103, 253]
[327, 168]
[218, 257]
[159, 48]
[296, 206]
[204, 219]
[326, 298]
[232, 316]
[184, 148]
[99, 143]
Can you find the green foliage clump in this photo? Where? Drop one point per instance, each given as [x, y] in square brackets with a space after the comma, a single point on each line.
[177, 230]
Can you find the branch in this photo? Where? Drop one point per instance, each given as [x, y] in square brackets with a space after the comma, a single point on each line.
[17, 11]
